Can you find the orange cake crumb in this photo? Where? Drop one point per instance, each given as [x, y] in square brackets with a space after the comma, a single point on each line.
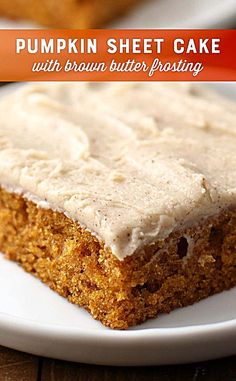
[188, 266]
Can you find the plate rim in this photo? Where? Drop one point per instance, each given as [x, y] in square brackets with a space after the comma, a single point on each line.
[31, 326]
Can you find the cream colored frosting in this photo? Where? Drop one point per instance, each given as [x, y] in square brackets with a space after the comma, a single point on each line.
[130, 162]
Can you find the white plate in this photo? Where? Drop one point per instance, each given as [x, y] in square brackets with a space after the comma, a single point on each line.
[168, 14]
[35, 319]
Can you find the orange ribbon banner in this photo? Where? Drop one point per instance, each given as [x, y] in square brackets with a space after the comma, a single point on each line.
[118, 55]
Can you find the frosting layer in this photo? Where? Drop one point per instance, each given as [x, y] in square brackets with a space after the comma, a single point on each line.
[130, 162]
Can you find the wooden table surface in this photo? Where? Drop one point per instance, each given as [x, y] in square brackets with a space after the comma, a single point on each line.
[18, 366]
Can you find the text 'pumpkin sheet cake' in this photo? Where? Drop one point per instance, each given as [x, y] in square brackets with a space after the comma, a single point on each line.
[121, 197]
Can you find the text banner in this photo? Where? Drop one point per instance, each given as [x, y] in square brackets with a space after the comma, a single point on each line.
[118, 55]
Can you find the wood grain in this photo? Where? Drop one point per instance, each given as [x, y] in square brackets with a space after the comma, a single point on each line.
[18, 366]
[219, 370]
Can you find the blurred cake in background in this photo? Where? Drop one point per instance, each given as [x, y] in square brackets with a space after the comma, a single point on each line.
[74, 14]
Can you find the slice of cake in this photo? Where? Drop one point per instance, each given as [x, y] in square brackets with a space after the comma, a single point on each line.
[74, 14]
[120, 197]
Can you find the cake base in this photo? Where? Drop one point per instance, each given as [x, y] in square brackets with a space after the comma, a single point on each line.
[188, 266]
[72, 14]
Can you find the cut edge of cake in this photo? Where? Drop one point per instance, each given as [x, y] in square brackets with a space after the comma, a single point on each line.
[191, 264]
